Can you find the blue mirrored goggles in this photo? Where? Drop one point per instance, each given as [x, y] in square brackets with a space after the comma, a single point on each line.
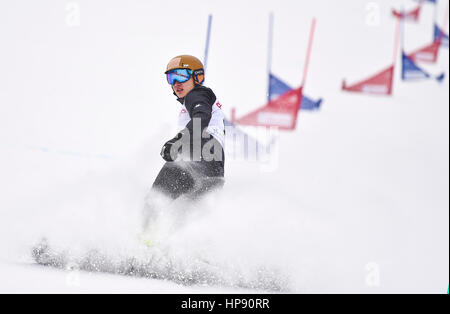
[178, 75]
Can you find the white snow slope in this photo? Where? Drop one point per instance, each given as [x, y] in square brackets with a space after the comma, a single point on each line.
[359, 199]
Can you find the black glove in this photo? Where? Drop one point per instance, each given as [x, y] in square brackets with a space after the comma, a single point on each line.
[167, 153]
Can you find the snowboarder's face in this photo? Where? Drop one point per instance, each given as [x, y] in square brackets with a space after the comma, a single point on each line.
[182, 89]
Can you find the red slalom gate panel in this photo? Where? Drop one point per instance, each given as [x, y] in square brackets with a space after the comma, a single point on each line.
[429, 53]
[379, 84]
[412, 15]
[281, 112]
[382, 82]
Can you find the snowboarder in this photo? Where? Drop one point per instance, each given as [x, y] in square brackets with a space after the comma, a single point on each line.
[195, 158]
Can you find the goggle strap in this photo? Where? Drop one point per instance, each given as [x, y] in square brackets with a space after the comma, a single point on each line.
[196, 74]
[199, 72]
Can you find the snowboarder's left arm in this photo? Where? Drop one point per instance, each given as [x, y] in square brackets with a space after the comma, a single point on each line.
[199, 103]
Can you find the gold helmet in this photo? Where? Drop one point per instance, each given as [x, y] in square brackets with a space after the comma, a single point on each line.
[190, 63]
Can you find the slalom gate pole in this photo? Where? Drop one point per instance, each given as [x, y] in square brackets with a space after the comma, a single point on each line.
[399, 37]
[308, 54]
[445, 24]
[208, 36]
[269, 55]
[399, 32]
